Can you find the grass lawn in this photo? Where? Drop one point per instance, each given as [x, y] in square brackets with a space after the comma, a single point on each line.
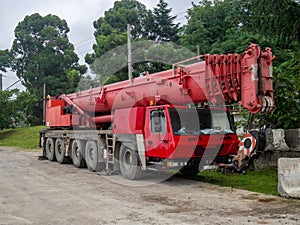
[262, 181]
[24, 137]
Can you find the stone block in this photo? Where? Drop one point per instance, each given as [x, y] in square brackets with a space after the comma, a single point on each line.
[289, 177]
[279, 140]
[292, 138]
[275, 140]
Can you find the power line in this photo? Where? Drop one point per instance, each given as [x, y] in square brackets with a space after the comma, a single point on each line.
[13, 84]
[180, 13]
[84, 52]
[90, 38]
[1, 81]
[84, 45]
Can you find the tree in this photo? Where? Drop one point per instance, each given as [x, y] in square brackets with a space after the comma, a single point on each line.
[207, 24]
[111, 33]
[5, 60]
[278, 20]
[7, 110]
[43, 54]
[111, 29]
[287, 92]
[214, 23]
[17, 109]
[24, 109]
[124, 12]
[160, 24]
[231, 25]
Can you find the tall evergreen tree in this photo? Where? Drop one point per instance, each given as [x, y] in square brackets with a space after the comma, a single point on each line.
[111, 34]
[161, 24]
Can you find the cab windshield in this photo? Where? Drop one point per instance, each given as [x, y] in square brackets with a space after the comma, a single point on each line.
[194, 121]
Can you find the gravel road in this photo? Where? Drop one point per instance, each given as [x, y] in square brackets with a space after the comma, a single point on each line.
[43, 192]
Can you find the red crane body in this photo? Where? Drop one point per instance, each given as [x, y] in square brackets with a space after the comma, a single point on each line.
[132, 106]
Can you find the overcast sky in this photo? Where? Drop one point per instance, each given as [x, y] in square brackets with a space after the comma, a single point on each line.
[79, 14]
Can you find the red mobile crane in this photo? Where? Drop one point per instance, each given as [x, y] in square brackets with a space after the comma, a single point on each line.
[148, 123]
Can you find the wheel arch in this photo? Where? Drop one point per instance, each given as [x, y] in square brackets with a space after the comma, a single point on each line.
[135, 142]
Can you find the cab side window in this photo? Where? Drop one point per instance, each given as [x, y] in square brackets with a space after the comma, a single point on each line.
[158, 121]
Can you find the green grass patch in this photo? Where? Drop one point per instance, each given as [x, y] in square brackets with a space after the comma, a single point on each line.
[24, 137]
[262, 181]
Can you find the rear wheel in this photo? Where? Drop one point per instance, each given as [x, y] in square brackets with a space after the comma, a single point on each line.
[129, 164]
[60, 151]
[92, 157]
[50, 149]
[77, 154]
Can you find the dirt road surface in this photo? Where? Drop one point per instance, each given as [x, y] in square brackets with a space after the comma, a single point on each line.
[43, 192]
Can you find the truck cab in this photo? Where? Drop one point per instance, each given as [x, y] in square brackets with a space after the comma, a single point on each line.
[176, 137]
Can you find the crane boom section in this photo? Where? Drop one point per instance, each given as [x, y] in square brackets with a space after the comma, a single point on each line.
[219, 79]
[246, 79]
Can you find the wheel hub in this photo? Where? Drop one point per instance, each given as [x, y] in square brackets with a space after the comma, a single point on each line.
[128, 159]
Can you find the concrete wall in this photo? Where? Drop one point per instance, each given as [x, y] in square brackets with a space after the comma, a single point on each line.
[283, 151]
[270, 158]
[280, 144]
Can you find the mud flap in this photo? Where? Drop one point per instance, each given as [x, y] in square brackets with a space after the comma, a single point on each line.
[141, 150]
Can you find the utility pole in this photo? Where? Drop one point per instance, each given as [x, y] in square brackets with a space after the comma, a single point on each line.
[1, 82]
[44, 105]
[129, 54]
[198, 52]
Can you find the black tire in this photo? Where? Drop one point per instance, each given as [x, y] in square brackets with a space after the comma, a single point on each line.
[189, 171]
[77, 154]
[50, 149]
[130, 165]
[92, 157]
[60, 151]
[260, 140]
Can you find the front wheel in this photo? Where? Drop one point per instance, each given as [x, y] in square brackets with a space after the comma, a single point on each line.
[129, 163]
